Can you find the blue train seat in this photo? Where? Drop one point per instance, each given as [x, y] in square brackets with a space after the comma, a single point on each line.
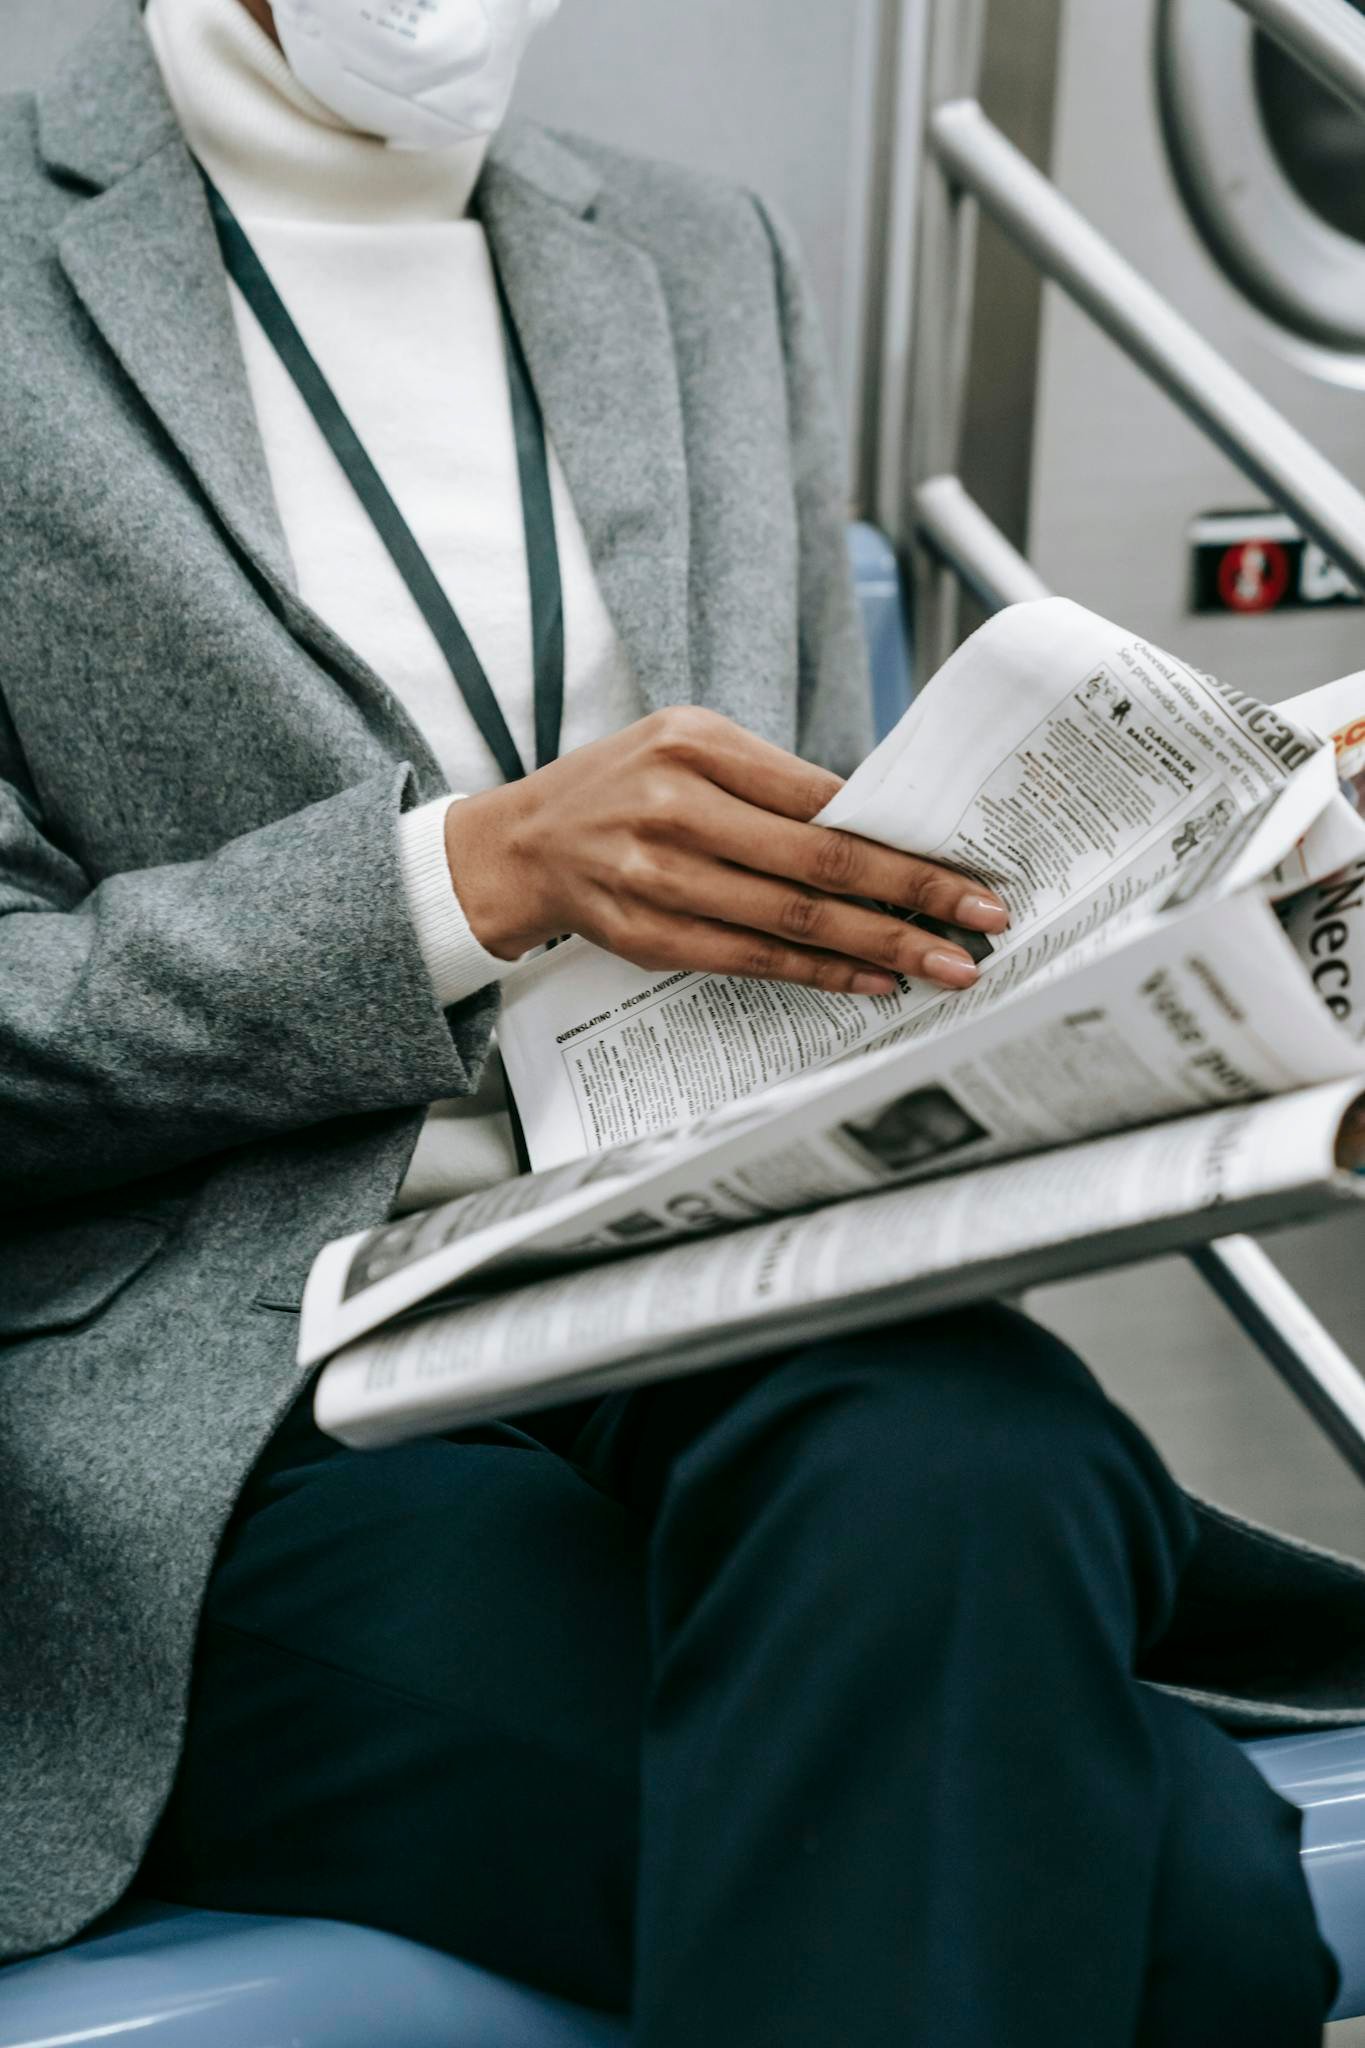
[237, 1980]
[1325, 1775]
[885, 622]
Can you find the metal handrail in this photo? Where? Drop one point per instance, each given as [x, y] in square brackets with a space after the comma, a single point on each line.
[1246, 1280]
[1284, 1329]
[1326, 36]
[971, 543]
[1066, 248]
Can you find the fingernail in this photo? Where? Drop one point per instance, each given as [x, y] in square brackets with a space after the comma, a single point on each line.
[873, 985]
[955, 970]
[982, 913]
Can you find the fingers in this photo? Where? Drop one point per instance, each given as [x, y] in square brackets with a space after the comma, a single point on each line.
[704, 946]
[737, 761]
[830, 925]
[756, 813]
[837, 863]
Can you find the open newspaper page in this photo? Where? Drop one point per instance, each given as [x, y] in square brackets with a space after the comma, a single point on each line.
[1055, 757]
[907, 1251]
[1205, 1006]
[1326, 921]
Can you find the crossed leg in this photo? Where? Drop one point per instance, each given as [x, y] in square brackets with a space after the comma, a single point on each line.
[783, 1705]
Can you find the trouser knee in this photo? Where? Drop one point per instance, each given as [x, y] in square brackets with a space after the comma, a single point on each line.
[932, 1446]
[980, 1419]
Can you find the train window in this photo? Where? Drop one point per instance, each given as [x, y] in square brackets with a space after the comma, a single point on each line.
[1318, 142]
[1271, 167]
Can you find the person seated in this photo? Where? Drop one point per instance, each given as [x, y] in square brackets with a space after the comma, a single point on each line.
[424, 537]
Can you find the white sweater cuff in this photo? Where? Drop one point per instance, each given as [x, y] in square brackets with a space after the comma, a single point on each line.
[456, 962]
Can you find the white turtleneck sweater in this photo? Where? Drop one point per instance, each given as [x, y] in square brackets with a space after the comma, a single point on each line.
[392, 288]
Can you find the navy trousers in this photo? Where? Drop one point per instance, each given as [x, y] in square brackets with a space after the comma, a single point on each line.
[781, 1706]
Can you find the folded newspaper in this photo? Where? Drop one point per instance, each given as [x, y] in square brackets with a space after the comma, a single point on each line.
[1168, 1044]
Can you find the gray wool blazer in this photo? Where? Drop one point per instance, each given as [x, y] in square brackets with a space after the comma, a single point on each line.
[216, 1033]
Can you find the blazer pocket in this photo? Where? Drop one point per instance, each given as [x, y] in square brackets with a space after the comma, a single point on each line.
[61, 1274]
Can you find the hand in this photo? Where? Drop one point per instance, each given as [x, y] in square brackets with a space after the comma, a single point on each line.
[686, 842]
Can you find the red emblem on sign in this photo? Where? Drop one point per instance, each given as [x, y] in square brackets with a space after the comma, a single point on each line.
[1253, 575]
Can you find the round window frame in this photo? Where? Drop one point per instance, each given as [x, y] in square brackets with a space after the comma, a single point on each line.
[1304, 274]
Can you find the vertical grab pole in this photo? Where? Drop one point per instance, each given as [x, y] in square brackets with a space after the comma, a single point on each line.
[940, 341]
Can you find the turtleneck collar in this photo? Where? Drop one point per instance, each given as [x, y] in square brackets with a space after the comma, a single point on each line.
[274, 151]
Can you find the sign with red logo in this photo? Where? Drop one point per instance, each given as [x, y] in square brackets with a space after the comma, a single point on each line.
[1253, 562]
[1253, 575]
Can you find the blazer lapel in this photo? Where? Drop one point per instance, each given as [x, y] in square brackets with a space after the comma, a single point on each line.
[143, 257]
[591, 315]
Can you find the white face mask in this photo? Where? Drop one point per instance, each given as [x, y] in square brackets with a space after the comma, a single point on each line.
[422, 73]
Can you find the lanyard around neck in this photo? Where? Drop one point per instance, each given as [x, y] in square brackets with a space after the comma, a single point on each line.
[542, 552]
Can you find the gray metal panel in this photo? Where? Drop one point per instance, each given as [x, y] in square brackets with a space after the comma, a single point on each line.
[1118, 471]
[776, 93]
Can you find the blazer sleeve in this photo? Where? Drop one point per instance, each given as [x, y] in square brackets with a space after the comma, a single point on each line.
[834, 706]
[161, 1015]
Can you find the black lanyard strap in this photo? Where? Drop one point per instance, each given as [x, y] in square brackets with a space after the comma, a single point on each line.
[248, 273]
